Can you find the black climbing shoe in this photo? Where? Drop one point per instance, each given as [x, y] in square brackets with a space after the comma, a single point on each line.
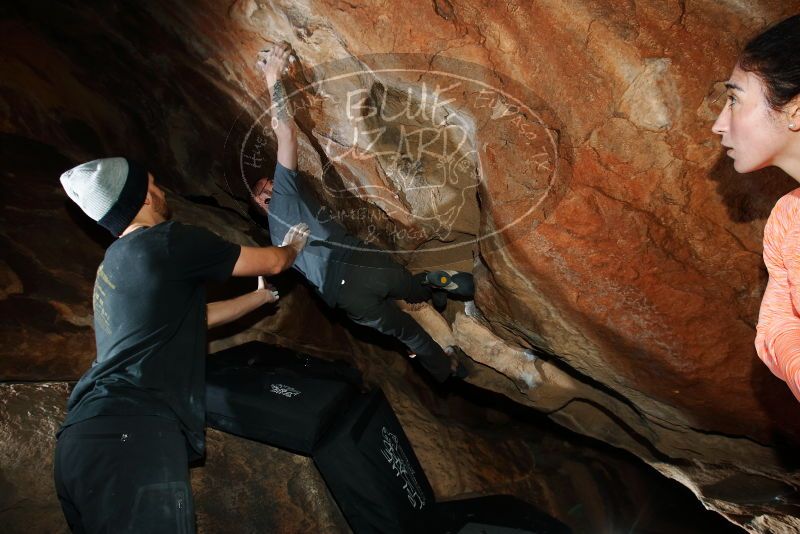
[457, 283]
[438, 296]
[461, 372]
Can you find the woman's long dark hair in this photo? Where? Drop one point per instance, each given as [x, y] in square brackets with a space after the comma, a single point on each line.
[774, 55]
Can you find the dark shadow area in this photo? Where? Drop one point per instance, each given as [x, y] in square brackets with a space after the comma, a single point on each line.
[671, 507]
[749, 197]
[41, 166]
[756, 491]
[97, 233]
[775, 396]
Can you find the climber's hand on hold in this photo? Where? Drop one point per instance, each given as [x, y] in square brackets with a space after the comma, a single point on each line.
[274, 62]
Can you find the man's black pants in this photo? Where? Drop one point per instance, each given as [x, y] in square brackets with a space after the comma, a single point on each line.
[124, 474]
[372, 282]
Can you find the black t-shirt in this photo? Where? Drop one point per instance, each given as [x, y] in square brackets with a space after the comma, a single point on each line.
[329, 246]
[150, 327]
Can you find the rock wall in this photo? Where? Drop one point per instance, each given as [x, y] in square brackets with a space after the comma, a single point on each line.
[616, 251]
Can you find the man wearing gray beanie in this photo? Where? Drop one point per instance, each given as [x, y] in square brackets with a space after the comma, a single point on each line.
[136, 418]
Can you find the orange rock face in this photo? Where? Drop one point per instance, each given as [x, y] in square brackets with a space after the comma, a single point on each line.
[563, 149]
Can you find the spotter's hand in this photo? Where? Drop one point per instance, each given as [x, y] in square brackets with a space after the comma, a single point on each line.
[270, 293]
[296, 237]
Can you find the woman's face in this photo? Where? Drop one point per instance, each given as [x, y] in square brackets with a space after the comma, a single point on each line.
[755, 134]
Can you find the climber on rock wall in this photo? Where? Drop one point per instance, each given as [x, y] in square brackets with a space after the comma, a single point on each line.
[136, 418]
[347, 273]
[760, 127]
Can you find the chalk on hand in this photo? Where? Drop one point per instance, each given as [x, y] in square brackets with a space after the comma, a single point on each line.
[292, 55]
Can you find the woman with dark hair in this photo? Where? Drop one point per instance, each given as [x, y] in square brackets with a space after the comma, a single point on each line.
[760, 126]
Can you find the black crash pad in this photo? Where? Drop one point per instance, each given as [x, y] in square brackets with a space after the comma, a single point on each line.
[372, 472]
[276, 396]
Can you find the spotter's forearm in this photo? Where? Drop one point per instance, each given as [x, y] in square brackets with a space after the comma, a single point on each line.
[226, 311]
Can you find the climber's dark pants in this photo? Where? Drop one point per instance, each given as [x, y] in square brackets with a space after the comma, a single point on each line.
[124, 474]
[372, 282]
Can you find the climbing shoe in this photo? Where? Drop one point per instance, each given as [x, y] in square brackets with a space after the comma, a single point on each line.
[439, 299]
[457, 283]
[461, 362]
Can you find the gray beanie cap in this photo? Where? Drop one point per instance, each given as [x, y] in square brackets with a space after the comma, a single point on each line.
[111, 190]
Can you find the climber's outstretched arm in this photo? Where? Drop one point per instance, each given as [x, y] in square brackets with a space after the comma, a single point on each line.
[273, 64]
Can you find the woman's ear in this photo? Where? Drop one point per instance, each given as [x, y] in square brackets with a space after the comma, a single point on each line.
[793, 114]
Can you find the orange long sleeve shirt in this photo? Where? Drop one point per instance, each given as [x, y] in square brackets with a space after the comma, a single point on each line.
[778, 330]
